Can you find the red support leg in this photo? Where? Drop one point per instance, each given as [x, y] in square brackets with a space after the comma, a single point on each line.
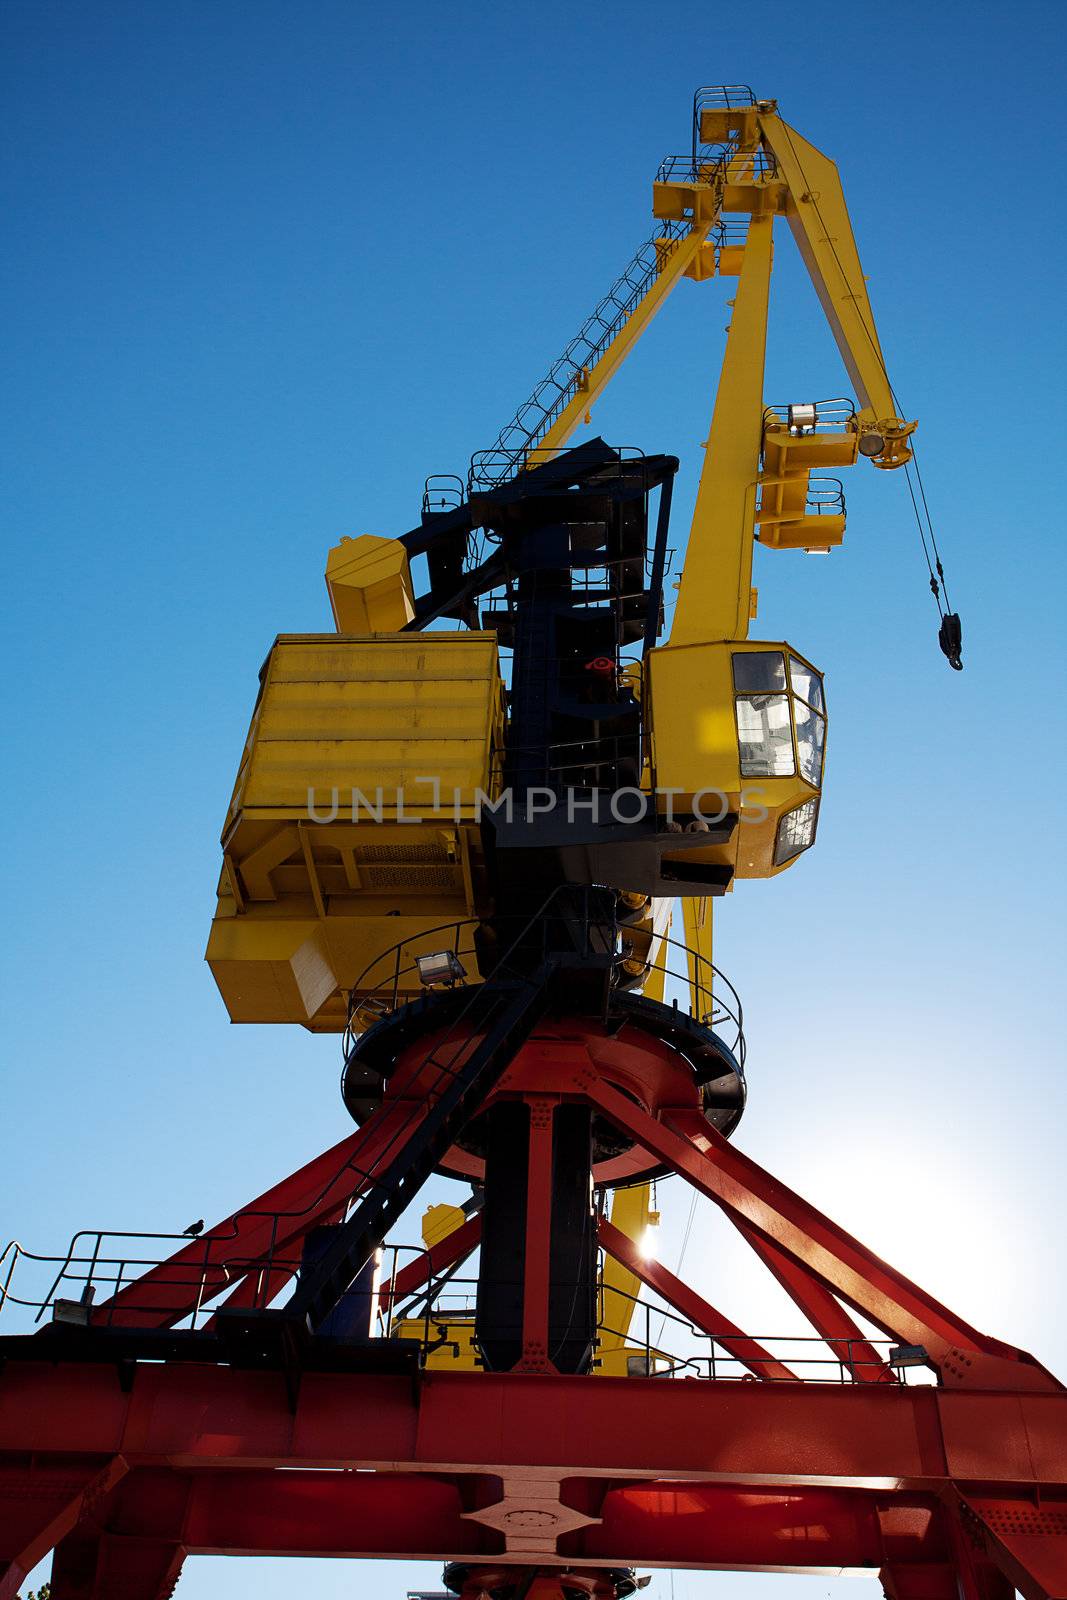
[272, 1225]
[537, 1258]
[1026, 1539]
[963, 1572]
[592, 1584]
[963, 1356]
[824, 1311]
[40, 1504]
[110, 1565]
[131, 1545]
[698, 1311]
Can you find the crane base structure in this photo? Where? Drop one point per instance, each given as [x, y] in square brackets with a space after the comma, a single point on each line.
[127, 1443]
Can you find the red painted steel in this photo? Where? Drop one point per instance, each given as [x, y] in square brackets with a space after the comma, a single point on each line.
[454, 1247]
[826, 1314]
[692, 1306]
[1027, 1538]
[746, 1192]
[274, 1224]
[812, 1475]
[538, 1244]
[848, 1435]
[41, 1502]
[949, 1492]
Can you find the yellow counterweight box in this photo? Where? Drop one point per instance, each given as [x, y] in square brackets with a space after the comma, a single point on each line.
[353, 823]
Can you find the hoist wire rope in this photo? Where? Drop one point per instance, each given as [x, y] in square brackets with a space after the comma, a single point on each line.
[936, 588]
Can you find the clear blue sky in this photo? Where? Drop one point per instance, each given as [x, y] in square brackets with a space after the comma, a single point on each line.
[267, 266]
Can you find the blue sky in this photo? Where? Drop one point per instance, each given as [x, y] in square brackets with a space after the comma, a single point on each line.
[267, 267]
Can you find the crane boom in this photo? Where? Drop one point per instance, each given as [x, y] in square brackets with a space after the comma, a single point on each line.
[745, 161]
[714, 599]
[819, 221]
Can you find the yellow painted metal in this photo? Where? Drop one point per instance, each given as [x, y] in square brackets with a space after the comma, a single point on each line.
[697, 920]
[308, 899]
[704, 264]
[659, 949]
[722, 124]
[785, 520]
[730, 259]
[439, 1221]
[714, 600]
[353, 820]
[645, 950]
[783, 515]
[449, 1337]
[369, 584]
[631, 1213]
[344, 714]
[696, 199]
[818, 217]
[676, 257]
[690, 704]
[449, 1341]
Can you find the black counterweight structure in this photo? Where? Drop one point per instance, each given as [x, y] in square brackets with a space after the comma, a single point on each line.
[573, 580]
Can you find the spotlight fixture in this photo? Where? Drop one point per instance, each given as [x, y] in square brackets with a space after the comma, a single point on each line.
[802, 419]
[909, 1355]
[441, 967]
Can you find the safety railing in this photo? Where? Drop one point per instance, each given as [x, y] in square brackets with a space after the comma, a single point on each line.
[99, 1277]
[655, 1340]
[720, 162]
[587, 772]
[83, 1285]
[815, 416]
[730, 231]
[442, 491]
[595, 586]
[509, 454]
[720, 97]
[826, 496]
[489, 470]
[603, 580]
[689, 980]
[200, 1268]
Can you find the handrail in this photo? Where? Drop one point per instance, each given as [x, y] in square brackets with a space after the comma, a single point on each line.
[554, 392]
[705, 981]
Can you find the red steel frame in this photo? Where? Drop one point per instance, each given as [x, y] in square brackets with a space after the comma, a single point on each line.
[954, 1492]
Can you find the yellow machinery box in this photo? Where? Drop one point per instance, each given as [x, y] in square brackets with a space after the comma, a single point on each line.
[354, 806]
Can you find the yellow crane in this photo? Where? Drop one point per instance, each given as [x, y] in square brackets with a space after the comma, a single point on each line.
[355, 834]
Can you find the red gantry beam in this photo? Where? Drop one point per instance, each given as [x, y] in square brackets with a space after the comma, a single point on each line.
[775, 1476]
[846, 1435]
[406, 1516]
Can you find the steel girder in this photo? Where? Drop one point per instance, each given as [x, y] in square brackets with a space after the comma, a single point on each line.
[776, 1476]
[949, 1493]
[773, 1476]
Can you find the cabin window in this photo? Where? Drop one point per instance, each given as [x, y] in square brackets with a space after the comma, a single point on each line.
[759, 670]
[781, 716]
[765, 735]
[796, 832]
[809, 712]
